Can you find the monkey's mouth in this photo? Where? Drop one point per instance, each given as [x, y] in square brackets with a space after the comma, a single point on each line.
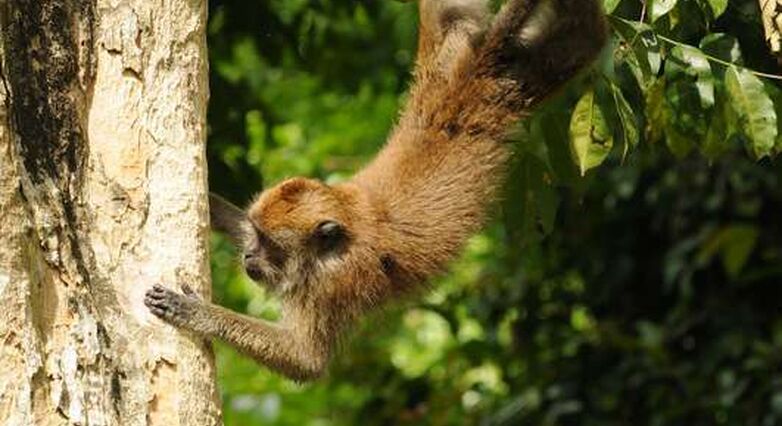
[255, 269]
[255, 272]
[262, 273]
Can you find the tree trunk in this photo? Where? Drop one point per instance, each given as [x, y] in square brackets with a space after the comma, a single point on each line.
[102, 194]
[771, 13]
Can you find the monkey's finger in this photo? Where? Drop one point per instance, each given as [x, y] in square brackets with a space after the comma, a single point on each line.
[157, 289]
[156, 307]
[156, 294]
[163, 309]
[156, 302]
[160, 296]
[160, 313]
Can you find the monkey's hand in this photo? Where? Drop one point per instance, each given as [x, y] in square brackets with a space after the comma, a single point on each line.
[178, 309]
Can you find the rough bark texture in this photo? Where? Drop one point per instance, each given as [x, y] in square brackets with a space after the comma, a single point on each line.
[771, 11]
[102, 194]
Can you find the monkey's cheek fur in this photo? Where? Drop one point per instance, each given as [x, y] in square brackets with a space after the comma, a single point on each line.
[170, 306]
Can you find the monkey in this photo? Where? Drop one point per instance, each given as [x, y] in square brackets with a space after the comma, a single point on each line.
[334, 253]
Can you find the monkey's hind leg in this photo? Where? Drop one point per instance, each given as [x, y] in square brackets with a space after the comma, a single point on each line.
[542, 43]
[449, 31]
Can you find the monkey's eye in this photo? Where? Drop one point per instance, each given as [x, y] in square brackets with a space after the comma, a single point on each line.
[328, 235]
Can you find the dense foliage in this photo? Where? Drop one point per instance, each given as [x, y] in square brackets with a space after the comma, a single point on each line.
[643, 291]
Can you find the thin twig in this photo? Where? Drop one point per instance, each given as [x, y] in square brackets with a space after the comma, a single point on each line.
[706, 55]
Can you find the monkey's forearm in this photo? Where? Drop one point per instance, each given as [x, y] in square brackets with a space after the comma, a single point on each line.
[286, 350]
[289, 351]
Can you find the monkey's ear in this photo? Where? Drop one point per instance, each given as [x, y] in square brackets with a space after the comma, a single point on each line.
[228, 219]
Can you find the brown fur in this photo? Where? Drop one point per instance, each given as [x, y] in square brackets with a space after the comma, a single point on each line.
[409, 212]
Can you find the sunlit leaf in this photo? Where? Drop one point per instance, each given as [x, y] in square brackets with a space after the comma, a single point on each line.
[718, 7]
[698, 66]
[660, 8]
[724, 47]
[590, 137]
[755, 111]
[610, 5]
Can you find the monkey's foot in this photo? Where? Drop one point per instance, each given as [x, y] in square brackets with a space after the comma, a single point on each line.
[174, 308]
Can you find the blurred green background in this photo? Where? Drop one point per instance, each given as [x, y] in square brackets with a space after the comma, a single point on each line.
[647, 290]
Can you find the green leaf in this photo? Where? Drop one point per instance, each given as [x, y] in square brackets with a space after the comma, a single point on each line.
[532, 213]
[717, 141]
[679, 144]
[642, 50]
[684, 119]
[718, 7]
[630, 133]
[754, 109]
[660, 8]
[590, 137]
[734, 243]
[655, 111]
[256, 134]
[699, 67]
[724, 47]
[610, 5]
[776, 96]
[548, 126]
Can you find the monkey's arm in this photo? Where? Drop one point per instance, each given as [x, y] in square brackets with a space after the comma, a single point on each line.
[291, 351]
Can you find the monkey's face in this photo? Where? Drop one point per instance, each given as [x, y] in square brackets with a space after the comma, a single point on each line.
[302, 232]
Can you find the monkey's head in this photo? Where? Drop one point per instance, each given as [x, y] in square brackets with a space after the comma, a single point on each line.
[304, 235]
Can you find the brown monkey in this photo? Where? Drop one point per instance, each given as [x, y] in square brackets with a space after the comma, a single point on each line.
[333, 252]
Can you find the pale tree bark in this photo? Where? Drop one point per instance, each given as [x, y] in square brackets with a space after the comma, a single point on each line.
[771, 13]
[102, 194]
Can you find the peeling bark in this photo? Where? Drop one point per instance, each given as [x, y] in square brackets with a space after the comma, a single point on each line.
[102, 194]
[771, 13]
